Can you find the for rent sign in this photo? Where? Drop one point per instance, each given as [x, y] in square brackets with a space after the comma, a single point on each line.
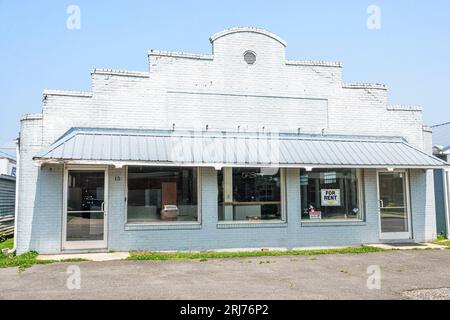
[331, 197]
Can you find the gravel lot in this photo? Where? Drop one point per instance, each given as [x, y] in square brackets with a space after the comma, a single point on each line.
[404, 275]
[429, 294]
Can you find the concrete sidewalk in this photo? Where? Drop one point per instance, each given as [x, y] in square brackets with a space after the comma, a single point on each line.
[405, 274]
[102, 256]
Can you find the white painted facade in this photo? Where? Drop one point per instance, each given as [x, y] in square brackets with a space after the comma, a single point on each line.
[221, 91]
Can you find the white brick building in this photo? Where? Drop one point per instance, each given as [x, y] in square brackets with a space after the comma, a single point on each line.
[177, 158]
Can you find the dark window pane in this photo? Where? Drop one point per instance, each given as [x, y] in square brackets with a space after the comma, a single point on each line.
[85, 190]
[328, 194]
[162, 194]
[250, 194]
[85, 205]
[254, 185]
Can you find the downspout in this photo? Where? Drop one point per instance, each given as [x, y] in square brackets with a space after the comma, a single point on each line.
[16, 205]
[446, 175]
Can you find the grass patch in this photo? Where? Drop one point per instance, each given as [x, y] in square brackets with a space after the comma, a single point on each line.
[22, 261]
[28, 260]
[444, 243]
[7, 244]
[25, 260]
[441, 237]
[221, 255]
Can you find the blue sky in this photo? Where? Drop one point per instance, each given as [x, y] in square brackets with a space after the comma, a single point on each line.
[410, 53]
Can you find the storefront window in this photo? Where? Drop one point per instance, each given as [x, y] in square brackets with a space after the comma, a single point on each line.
[162, 194]
[249, 194]
[330, 194]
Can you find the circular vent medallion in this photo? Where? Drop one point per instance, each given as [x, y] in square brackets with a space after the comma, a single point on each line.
[250, 57]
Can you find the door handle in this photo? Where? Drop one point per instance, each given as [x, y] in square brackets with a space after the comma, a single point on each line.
[102, 208]
[381, 203]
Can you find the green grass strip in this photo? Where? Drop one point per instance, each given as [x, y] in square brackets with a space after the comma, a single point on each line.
[247, 254]
[443, 242]
[22, 261]
[25, 260]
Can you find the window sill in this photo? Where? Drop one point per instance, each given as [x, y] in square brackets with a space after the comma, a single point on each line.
[163, 226]
[333, 223]
[246, 224]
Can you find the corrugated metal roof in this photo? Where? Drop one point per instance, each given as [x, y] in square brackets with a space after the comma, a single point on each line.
[441, 135]
[152, 147]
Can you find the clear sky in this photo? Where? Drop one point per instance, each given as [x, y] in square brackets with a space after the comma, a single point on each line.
[410, 52]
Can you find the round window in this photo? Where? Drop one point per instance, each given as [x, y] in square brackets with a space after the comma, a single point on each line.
[250, 57]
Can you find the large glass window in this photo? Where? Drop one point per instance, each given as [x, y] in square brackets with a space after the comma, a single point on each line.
[249, 194]
[166, 194]
[330, 194]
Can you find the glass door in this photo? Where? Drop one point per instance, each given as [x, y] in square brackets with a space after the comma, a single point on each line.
[85, 209]
[393, 205]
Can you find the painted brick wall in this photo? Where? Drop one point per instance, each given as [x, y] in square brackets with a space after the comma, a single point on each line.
[221, 90]
[209, 235]
[31, 142]
[45, 236]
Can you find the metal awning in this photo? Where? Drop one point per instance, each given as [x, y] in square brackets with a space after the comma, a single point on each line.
[121, 147]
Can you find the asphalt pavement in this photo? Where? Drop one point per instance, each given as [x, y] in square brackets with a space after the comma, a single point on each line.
[412, 274]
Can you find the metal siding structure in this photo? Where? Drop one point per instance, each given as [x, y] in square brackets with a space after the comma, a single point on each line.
[7, 204]
[235, 149]
[441, 223]
[441, 135]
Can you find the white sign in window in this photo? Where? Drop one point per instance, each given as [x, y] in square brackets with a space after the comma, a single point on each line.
[330, 197]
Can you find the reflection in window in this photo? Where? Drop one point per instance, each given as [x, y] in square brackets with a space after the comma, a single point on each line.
[393, 202]
[85, 190]
[85, 205]
[162, 194]
[328, 194]
[249, 194]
